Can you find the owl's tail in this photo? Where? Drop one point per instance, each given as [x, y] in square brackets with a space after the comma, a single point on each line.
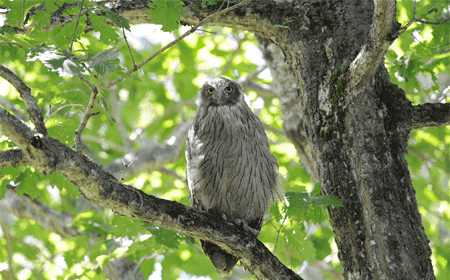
[223, 261]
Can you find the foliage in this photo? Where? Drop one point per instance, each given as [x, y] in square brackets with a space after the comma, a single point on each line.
[148, 106]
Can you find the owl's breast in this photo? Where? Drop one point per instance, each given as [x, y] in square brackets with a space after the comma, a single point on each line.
[235, 173]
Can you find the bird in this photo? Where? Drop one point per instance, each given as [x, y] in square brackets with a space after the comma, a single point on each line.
[230, 171]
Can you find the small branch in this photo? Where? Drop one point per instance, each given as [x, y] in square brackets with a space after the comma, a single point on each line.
[430, 114]
[8, 104]
[75, 29]
[172, 174]
[153, 156]
[274, 130]
[233, 54]
[278, 233]
[87, 115]
[414, 19]
[25, 93]
[125, 36]
[11, 43]
[86, 82]
[64, 106]
[9, 249]
[119, 122]
[187, 33]
[171, 110]
[27, 208]
[23, 13]
[105, 143]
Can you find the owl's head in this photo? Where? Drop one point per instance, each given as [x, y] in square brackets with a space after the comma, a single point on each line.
[220, 91]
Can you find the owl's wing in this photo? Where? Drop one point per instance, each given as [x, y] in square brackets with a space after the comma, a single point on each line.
[188, 154]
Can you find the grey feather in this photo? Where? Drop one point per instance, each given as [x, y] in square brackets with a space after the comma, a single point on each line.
[230, 170]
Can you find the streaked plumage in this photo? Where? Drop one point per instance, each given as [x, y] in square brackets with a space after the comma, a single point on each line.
[230, 170]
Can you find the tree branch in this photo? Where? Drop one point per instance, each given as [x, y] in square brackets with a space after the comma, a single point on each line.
[153, 157]
[430, 114]
[366, 63]
[12, 158]
[25, 93]
[101, 187]
[27, 208]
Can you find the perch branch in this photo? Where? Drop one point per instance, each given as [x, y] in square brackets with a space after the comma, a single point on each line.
[101, 187]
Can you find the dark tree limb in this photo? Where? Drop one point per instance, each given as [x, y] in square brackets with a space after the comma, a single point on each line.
[430, 114]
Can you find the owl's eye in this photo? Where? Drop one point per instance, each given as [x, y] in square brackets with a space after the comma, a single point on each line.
[228, 89]
[211, 90]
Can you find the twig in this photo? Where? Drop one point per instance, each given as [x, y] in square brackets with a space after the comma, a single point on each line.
[278, 234]
[23, 12]
[119, 122]
[189, 32]
[25, 93]
[11, 43]
[229, 61]
[62, 107]
[124, 36]
[414, 19]
[172, 174]
[180, 11]
[171, 110]
[86, 81]
[75, 29]
[87, 115]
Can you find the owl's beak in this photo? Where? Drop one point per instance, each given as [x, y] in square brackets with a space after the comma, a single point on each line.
[219, 97]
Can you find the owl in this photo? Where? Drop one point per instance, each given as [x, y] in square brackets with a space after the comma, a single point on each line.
[230, 170]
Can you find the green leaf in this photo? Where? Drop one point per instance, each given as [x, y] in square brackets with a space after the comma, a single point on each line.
[108, 34]
[105, 62]
[125, 226]
[58, 60]
[119, 21]
[164, 236]
[27, 183]
[166, 13]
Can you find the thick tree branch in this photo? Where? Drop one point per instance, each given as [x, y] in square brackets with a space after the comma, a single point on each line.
[430, 114]
[366, 63]
[101, 187]
[25, 93]
[12, 158]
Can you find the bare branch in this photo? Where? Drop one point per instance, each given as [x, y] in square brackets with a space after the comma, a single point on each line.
[64, 106]
[11, 43]
[414, 19]
[152, 156]
[27, 208]
[87, 115]
[25, 93]
[125, 37]
[75, 29]
[9, 248]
